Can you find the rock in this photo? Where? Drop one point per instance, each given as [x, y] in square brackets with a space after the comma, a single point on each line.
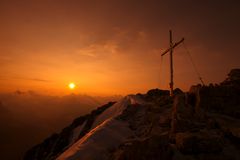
[233, 78]
[223, 98]
[156, 93]
[199, 142]
[177, 91]
[156, 147]
[184, 117]
[205, 121]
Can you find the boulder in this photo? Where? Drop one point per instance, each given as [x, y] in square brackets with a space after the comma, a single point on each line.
[156, 93]
[177, 91]
[184, 117]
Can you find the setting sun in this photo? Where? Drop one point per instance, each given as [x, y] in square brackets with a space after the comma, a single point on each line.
[71, 85]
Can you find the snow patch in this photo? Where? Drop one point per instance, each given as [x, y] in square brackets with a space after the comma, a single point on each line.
[117, 109]
[99, 141]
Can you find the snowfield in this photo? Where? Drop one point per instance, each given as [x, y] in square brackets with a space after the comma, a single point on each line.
[107, 133]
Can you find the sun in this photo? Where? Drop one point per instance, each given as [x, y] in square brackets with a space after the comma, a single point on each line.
[71, 86]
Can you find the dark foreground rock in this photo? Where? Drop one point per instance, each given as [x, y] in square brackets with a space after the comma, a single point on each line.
[206, 121]
[203, 124]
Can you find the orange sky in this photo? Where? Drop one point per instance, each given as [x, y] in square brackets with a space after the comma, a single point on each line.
[113, 46]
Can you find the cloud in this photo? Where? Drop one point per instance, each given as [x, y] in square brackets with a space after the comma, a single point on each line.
[22, 78]
[36, 79]
[39, 80]
[98, 50]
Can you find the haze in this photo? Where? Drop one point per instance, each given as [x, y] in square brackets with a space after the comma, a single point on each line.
[27, 118]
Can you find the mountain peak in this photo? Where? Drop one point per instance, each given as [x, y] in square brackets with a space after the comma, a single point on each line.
[200, 124]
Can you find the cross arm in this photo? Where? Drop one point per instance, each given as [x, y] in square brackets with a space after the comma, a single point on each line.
[175, 45]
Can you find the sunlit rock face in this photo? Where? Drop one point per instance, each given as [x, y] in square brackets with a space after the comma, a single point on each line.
[202, 124]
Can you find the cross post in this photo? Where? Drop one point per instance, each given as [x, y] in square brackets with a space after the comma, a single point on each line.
[170, 50]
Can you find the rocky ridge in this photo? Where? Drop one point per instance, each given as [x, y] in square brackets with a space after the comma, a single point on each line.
[202, 124]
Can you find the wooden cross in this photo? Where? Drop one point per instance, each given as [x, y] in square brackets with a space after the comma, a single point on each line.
[170, 50]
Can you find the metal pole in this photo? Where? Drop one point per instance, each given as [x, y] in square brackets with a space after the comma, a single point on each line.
[171, 64]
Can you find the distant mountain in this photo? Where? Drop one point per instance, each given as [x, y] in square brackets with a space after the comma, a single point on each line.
[202, 124]
[2, 108]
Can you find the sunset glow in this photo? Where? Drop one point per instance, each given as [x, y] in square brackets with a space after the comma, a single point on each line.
[112, 47]
[71, 86]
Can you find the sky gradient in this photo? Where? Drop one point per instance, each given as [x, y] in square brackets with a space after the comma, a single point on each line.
[114, 46]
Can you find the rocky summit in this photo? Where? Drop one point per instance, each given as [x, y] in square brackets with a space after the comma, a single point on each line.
[201, 124]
